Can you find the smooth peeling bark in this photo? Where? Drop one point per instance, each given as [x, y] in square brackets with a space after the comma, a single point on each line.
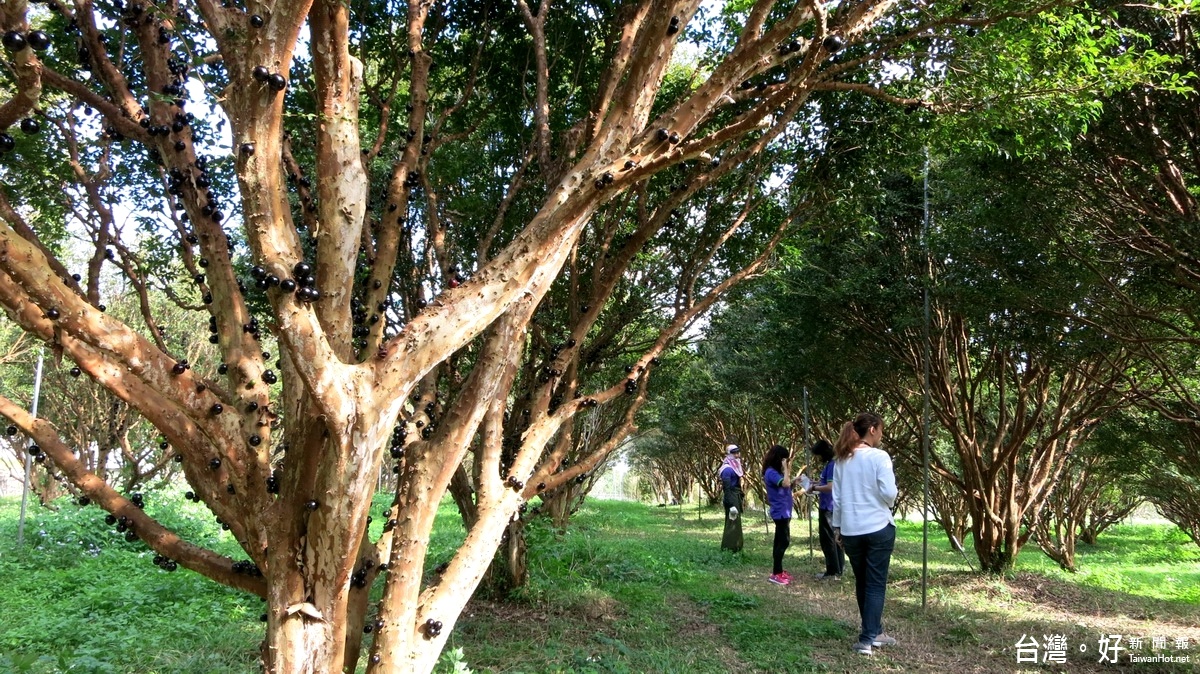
[343, 185]
[319, 550]
[404, 644]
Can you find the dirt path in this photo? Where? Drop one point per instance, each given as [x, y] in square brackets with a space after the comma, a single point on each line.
[973, 624]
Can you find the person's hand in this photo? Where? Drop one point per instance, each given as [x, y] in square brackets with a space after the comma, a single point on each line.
[837, 536]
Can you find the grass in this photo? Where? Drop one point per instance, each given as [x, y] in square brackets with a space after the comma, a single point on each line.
[628, 588]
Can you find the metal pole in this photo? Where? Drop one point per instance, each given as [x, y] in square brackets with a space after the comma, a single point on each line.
[807, 497]
[925, 411]
[33, 410]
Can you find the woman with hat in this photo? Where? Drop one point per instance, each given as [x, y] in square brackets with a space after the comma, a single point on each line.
[731, 481]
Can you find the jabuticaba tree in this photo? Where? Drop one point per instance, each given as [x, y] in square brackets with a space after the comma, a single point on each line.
[387, 200]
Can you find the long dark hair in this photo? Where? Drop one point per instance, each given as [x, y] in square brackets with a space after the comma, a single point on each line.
[853, 433]
[822, 449]
[775, 457]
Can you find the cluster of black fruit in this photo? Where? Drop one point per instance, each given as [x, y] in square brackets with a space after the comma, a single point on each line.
[36, 453]
[604, 180]
[514, 484]
[432, 628]
[165, 563]
[399, 434]
[789, 48]
[212, 203]
[362, 319]
[138, 500]
[29, 126]
[178, 124]
[375, 626]
[246, 567]
[569, 344]
[181, 367]
[123, 526]
[306, 200]
[413, 180]
[305, 283]
[275, 81]
[191, 496]
[673, 27]
[358, 579]
[587, 402]
[667, 135]
[14, 41]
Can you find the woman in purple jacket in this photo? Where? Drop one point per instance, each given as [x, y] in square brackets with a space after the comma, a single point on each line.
[776, 467]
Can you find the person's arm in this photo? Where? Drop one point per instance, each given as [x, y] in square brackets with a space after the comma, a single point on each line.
[825, 477]
[798, 475]
[886, 478]
[786, 482]
[835, 518]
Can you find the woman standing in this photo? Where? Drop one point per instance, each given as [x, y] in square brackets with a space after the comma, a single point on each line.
[835, 558]
[731, 473]
[776, 467]
[864, 491]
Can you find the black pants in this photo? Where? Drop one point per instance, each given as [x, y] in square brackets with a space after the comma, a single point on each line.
[783, 538]
[835, 558]
[732, 538]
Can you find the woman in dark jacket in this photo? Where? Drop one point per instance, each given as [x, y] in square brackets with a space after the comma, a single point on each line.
[835, 558]
[731, 481]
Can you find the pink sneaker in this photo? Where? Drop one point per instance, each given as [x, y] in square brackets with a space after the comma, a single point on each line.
[778, 579]
[786, 575]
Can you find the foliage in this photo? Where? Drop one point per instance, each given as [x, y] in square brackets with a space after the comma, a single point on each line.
[110, 601]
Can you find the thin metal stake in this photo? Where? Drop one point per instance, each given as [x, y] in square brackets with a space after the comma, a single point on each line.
[807, 496]
[33, 410]
[925, 413]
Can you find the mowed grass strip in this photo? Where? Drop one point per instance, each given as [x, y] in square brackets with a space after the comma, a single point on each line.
[634, 588]
[626, 588]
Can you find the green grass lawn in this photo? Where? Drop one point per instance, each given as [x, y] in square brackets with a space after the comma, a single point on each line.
[628, 588]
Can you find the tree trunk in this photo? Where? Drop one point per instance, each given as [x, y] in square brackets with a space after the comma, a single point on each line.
[510, 567]
[464, 497]
[561, 504]
[991, 545]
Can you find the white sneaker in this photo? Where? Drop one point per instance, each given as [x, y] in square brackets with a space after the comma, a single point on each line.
[733, 514]
[883, 640]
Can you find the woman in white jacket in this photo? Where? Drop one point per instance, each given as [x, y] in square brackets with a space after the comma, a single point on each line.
[864, 491]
